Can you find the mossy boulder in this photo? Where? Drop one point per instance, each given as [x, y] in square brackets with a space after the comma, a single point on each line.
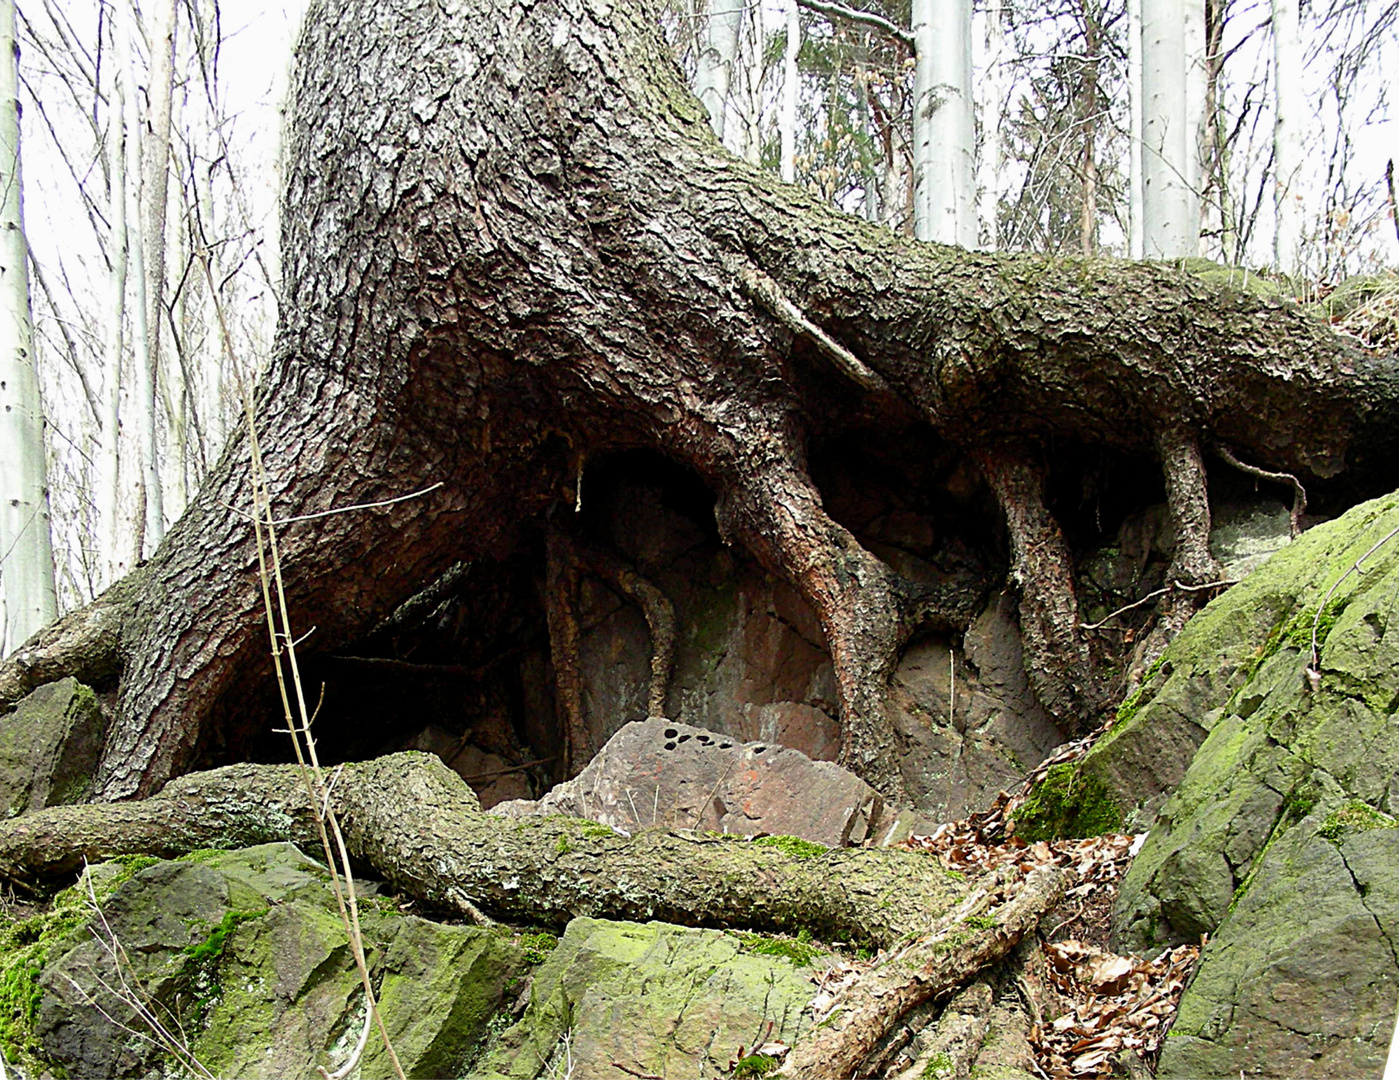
[1270, 837]
[245, 953]
[1237, 278]
[657, 999]
[49, 746]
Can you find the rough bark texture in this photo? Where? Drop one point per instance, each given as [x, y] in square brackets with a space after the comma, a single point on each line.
[511, 240]
[416, 823]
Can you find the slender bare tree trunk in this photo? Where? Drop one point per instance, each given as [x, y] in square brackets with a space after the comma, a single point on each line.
[787, 118]
[109, 461]
[944, 134]
[1088, 220]
[1287, 134]
[1135, 240]
[26, 552]
[144, 412]
[1170, 217]
[161, 34]
[992, 159]
[1196, 94]
[717, 57]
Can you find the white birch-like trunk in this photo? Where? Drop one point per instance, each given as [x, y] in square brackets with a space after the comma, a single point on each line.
[992, 87]
[1196, 91]
[156, 159]
[26, 545]
[787, 116]
[144, 411]
[109, 493]
[1287, 134]
[1170, 210]
[944, 132]
[1135, 235]
[715, 64]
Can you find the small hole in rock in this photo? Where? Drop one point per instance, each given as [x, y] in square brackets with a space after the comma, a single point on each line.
[670, 746]
[759, 749]
[670, 733]
[726, 746]
[684, 738]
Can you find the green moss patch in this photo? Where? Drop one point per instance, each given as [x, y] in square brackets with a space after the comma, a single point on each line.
[793, 846]
[26, 945]
[755, 1065]
[1354, 817]
[538, 946]
[798, 950]
[1067, 803]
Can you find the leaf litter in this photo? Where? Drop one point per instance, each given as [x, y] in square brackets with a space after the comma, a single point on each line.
[1088, 1004]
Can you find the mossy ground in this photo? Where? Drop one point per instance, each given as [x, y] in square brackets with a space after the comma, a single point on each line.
[793, 846]
[754, 1065]
[1067, 802]
[799, 950]
[1354, 817]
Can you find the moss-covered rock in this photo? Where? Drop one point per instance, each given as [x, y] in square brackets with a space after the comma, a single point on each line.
[246, 954]
[660, 1000]
[49, 747]
[1272, 840]
[1068, 802]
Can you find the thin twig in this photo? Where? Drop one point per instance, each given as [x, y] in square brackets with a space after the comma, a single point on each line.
[1224, 583]
[339, 509]
[1314, 668]
[861, 18]
[1299, 493]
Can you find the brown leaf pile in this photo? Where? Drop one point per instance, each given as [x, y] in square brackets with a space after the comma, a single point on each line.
[1120, 1003]
[1101, 1003]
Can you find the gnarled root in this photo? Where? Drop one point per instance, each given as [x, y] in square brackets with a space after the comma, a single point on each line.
[415, 822]
[1056, 657]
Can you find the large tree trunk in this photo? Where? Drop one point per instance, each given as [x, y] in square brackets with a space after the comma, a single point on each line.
[512, 243]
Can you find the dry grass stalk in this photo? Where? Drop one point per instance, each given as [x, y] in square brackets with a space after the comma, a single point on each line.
[283, 644]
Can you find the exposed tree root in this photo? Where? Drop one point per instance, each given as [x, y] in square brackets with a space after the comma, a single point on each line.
[660, 619]
[561, 611]
[569, 556]
[1056, 657]
[86, 644]
[415, 822]
[965, 944]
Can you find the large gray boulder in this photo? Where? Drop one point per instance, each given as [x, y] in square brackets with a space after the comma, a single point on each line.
[243, 955]
[621, 999]
[666, 774]
[1271, 796]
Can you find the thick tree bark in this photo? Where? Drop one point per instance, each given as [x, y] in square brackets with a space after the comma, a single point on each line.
[511, 239]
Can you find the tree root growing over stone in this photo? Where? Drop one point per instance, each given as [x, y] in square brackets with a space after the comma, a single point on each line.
[413, 821]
